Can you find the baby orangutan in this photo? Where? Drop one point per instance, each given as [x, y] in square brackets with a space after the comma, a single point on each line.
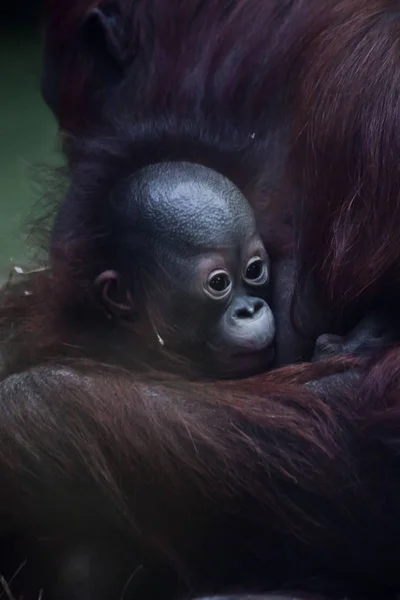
[187, 266]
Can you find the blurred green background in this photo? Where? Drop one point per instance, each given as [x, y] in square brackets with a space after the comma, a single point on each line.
[27, 128]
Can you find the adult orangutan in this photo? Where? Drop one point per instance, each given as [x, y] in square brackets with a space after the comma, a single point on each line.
[262, 485]
[341, 92]
[156, 182]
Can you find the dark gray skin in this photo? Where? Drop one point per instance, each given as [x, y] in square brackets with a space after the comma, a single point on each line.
[191, 267]
[372, 334]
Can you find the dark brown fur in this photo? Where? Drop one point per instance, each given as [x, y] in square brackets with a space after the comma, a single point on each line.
[257, 485]
[345, 154]
[212, 112]
[331, 66]
[219, 490]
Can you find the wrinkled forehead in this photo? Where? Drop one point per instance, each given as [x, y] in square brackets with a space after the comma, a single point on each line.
[187, 204]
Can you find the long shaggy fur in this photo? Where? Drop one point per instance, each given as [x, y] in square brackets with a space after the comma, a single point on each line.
[264, 485]
[328, 68]
[194, 102]
[163, 45]
[345, 154]
[225, 490]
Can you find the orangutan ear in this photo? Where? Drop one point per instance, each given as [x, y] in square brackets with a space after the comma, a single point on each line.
[90, 63]
[115, 296]
[106, 26]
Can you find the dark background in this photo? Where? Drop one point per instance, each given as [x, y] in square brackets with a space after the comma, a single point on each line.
[21, 12]
[27, 129]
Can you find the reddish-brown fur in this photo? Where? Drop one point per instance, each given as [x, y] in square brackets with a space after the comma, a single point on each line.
[341, 59]
[230, 491]
[345, 158]
[317, 476]
[160, 37]
[196, 103]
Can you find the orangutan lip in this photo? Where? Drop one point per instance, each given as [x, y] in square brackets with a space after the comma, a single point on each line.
[267, 351]
[251, 363]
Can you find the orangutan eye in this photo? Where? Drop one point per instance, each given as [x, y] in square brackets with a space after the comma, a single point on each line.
[218, 284]
[256, 272]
